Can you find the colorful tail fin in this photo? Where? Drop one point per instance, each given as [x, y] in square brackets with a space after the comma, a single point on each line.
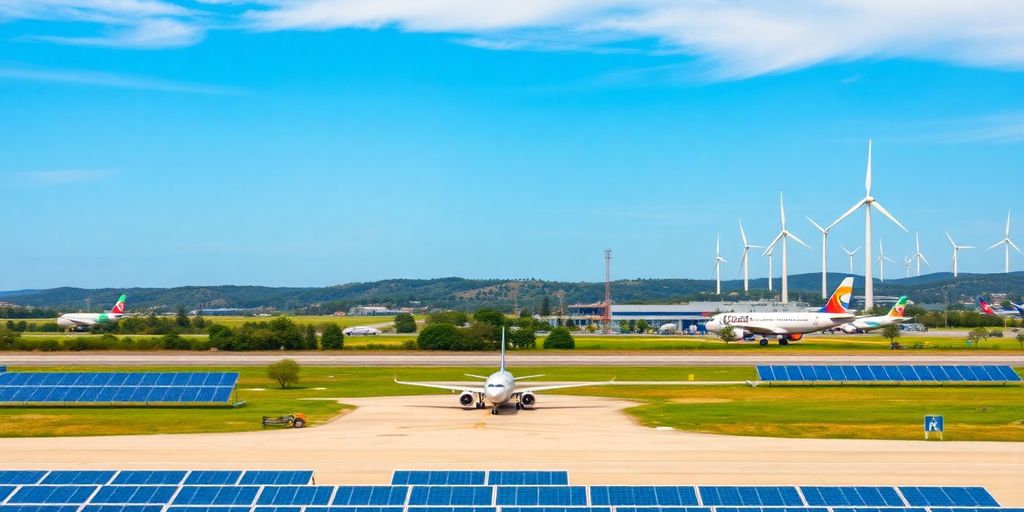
[118, 308]
[898, 308]
[1019, 308]
[985, 307]
[840, 299]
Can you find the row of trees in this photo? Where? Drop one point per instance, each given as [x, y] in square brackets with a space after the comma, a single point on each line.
[456, 330]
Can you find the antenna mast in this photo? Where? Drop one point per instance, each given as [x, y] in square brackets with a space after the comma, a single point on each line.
[606, 318]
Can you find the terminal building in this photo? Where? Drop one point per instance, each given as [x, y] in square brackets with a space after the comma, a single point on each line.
[689, 317]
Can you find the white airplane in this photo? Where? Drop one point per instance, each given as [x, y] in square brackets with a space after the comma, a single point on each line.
[84, 320]
[500, 388]
[869, 323]
[360, 330]
[789, 326]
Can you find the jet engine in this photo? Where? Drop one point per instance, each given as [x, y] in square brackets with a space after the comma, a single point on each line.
[849, 329]
[527, 400]
[467, 399]
[740, 333]
[794, 337]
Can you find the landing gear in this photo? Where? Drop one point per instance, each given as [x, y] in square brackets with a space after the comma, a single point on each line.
[479, 405]
[764, 342]
[494, 411]
[783, 341]
[519, 406]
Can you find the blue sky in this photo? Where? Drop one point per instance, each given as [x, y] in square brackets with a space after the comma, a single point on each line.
[158, 143]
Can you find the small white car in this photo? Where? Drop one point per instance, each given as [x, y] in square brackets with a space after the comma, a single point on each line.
[360, 330]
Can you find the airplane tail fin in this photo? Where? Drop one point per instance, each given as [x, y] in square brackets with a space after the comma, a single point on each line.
[986, 308]
[118, 308]
[502, 349]
[898, 308]
[1019, 308]
[839, 302]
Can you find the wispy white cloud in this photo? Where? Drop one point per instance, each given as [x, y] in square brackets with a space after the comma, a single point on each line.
[999, 128]
[149, 33]
[59, 177]
[85, 77]
[739, 38]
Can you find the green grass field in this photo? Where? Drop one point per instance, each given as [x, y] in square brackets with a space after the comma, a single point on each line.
[972, 413]
[235, 321]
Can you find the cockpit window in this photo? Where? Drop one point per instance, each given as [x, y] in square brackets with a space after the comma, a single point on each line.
[495, 385]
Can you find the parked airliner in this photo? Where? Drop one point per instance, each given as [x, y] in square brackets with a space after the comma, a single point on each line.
[85, 320]
[789, 326]
[500, 388]
[869, 323]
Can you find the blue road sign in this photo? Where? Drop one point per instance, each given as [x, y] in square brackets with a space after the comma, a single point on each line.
[933, 424]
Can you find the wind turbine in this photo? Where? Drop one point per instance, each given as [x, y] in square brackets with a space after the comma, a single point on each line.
[850, 254]
[771, 268]
[882, 258]
[824, 258]
[906, 264]
[868, 202]
[1007, 242]
[746, 259]
[918, 255]
[783, 236]
[956, 253]
[718, 268]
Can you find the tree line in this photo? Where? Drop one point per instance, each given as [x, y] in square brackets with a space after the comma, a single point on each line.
[458, 331]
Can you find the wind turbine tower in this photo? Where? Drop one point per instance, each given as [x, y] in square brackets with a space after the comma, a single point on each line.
[718, 267]
[783, 236]
[956, 254]
[824, 257]
[1008, 243]
[746, 258]
[868, 202]
[882, 258]
[918, 255]
[606, 318]
[850, 254]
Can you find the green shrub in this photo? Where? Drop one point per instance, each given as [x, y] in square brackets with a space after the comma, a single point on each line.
[560, 338]
[404, 322]
[285, 372]
[439, 337]
[522, 339]
[332, 337]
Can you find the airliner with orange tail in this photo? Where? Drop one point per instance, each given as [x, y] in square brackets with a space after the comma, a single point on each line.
[789, 326]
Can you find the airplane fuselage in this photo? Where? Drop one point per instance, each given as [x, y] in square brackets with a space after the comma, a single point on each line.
[781, 323]
[872, 322]
[74, 320]
[499, 387]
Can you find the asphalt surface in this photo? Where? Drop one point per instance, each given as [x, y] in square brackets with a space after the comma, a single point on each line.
[489, 359]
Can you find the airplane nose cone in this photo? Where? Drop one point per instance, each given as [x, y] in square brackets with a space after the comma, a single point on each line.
[492, 394]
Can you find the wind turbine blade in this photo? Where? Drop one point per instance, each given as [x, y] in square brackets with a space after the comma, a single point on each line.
[997, 244]
[847, 251]
[890, 260]
[782, 212]
[925, 260]
[885, 212]
[917, 239]
[855, 251]
[816, 224]
[1007, 223]
[867, 178]
[950, 239]
[772, 245]
[743, 235]
[965, 247]
[847, 214]
[756, 246]
[716, 246]
[794, 237]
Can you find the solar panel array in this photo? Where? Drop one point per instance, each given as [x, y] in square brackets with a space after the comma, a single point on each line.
[888, 373]
[117, 387]
[421, 491]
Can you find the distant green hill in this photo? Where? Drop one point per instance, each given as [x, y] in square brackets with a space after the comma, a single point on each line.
[468, 294]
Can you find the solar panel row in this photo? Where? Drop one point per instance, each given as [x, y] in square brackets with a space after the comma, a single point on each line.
[438, 478]
[852, 496]
[147, 387]
[888, 373]
[527, 478]
[642, 495]
[750, 496]
[563, 496]
[447, 496]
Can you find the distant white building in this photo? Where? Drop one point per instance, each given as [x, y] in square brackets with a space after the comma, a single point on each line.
[373, 311]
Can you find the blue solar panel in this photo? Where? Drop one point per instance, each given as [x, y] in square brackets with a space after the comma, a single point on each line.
[438, 478]
[213, 478]
[56, 494]
[530, 496]
[974, 509]
[38, 508]
[149, 478]
[852, 496]
[749, 496]
[527, 478]
[378, 495]
[78, 477]
[16, 477]
[208, 509]
[453, 509]
[649, 496]
[449, 496]
[884, 373]
[771, 509]
[354, 509]
[296, 495]
[106, 387]
[277, 509]
[134, 494]
[948, 496]
[5, 491]
[123, 508]
[877, 509]
[662, 509]
[216, 495]
[276, 478]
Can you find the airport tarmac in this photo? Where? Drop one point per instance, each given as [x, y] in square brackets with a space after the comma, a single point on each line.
[478, 359]
[590, 437]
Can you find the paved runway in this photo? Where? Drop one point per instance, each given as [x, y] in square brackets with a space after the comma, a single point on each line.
[486, 359]
[590, 437]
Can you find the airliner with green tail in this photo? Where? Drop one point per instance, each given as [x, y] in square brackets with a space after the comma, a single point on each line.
[86, 320]
[870, 323]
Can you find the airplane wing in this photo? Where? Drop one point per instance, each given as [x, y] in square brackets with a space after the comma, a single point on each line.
[760, 329]
[564, 386]
[530, 376]
[458, 389]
